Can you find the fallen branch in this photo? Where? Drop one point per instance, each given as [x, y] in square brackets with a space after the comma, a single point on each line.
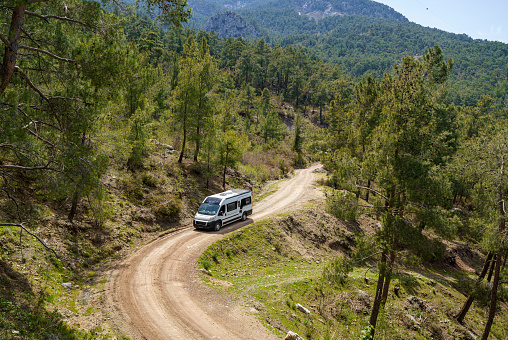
[21, 225]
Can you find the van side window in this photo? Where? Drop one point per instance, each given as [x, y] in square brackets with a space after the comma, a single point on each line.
[232, 206]
[245, 201]
[222, 209]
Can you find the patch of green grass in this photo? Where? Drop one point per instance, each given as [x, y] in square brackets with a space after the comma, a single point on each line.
[258, 263]
[33, 321]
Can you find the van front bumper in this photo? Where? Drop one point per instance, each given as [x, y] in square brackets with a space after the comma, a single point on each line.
[203, 224]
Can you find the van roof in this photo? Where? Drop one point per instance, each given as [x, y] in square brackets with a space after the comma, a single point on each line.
[230, 193]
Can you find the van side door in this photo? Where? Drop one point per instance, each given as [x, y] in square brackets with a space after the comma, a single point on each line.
[232, 209]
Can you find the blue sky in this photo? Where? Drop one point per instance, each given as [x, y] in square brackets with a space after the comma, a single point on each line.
[484, 19]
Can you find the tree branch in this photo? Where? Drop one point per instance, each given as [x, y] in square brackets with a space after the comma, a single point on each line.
[19, 167]
[371, 255]
[371, 190]
[47, 53]
[46, 17]
[4, 40]
[32, 85]
[35, 122]
[36, 135]
[23, 227]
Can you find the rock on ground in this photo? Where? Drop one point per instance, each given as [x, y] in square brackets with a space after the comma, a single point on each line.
[293, 336]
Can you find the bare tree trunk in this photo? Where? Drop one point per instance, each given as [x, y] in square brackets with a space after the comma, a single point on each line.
[505, 257]
[379, 293]
[196, 152]
[493, 298]
[74, 206]
[388, 278]
[11, 50]
[467, 304]
[224, 178]
[183, 142]
[321, 112]
[491, 271]
[495, 284]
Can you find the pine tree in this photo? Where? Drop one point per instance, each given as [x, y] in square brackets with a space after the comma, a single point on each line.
[398, 150]
[483, 161]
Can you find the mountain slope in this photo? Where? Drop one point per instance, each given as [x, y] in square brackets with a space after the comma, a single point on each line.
[229, 24]
[315, 9]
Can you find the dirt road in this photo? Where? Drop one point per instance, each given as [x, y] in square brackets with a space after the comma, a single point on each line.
[156, 293]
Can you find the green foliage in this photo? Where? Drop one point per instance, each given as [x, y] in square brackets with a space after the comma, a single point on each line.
[365, 247]
[170, 12]
[337, 271]
[206, 264]
[342, 204]
[367, 333]
[168, 206]
[365, 46]
[137, 137]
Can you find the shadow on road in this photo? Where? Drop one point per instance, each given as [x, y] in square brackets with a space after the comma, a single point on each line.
[228, 228]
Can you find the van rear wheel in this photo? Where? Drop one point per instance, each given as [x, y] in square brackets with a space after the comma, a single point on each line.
[218, 225]
[244, 216]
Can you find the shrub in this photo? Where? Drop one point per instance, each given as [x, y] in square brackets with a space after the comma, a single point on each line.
[337, 271]
[149, 181]
[168, 206]
[365, 247]
[133, 187]
[342, 204]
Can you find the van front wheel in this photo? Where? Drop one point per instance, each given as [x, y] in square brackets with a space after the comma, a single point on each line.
[218, 224]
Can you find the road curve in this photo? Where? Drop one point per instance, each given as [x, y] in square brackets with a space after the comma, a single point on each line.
[156, 292]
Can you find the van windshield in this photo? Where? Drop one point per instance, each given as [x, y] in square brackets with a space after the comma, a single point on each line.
[210, 206]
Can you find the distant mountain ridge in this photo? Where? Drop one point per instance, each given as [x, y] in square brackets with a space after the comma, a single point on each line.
[203, 10]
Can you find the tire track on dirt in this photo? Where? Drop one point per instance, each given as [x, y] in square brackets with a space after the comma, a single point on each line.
[156, 293]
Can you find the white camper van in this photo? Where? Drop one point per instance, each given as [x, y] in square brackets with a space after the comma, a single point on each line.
[220, 209]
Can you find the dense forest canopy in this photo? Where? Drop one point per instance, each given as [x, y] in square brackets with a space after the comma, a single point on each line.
[370, 46]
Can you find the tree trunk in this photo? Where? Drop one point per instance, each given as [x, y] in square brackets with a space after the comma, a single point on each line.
[491, 271]
[183, 142]
[493, 297]
[224, 178]
[11, 50]
[208, 171]
[74, 206]
[504, 262]
[467, 304]
[495, 284]
[196, 152]
[388, 277]
[368, 192]
[379, 293]
[321, 111]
